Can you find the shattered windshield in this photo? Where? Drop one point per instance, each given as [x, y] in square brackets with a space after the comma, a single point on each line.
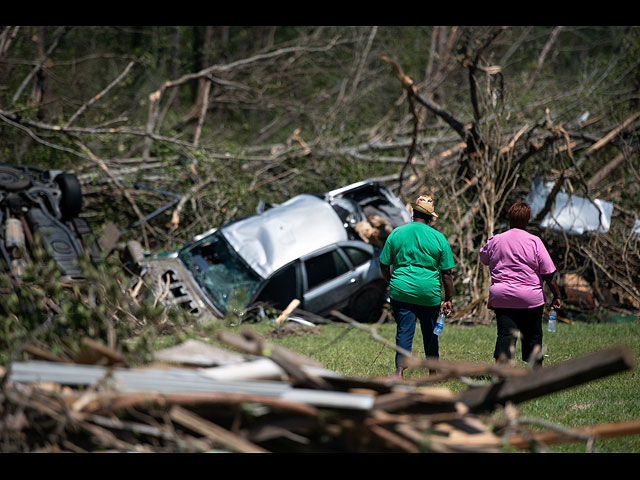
[224, 277]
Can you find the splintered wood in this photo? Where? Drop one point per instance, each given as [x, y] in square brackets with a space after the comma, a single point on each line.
[294, 405]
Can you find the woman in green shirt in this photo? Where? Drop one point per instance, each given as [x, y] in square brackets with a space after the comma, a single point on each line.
[413, 258]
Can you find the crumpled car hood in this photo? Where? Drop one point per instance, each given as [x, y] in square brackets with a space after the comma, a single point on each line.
[278, 236]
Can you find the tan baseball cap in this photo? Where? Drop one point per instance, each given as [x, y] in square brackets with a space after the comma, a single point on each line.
[424, 204]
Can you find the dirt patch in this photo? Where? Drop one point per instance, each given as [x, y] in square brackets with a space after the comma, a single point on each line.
[292, 328]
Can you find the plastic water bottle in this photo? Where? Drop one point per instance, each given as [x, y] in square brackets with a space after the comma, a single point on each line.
[439, 324]
[552, 320]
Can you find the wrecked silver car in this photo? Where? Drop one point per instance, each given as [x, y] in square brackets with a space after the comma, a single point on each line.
[319, 249]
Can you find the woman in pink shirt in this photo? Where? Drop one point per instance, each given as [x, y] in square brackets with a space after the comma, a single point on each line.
[519, 264]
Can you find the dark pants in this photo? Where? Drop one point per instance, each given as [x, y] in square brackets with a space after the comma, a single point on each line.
[406, 315]
[528, 321]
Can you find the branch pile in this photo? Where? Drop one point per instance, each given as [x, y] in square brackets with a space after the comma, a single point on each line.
[269, 399]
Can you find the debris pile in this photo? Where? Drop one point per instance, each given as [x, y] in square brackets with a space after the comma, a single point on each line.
[198, 397]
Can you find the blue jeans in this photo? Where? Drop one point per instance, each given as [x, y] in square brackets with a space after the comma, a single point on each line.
[406, 315]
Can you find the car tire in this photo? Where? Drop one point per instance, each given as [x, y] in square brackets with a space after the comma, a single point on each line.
[12, 179]
[366, 304]
[71, 200]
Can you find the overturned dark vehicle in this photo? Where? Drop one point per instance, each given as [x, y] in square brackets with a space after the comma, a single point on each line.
[45, 205]
[322, 250]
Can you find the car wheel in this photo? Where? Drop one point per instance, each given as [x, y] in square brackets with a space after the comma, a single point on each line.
[366, 304]
[71, 201]
[12, 179]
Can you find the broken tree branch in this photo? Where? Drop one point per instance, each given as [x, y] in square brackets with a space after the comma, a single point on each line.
[612, 134]
[214, 432]
[62, 31]
[553, 437]
[543, 381]
[409, 86]
[93, 100]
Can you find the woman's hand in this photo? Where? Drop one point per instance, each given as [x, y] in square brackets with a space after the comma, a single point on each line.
[446, 307]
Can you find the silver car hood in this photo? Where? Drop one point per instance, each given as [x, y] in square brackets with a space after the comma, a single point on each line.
[284, 233]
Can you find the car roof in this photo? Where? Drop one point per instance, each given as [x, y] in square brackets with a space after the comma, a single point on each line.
[276, 237]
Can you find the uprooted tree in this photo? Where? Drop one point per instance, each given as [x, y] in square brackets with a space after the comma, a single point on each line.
[489, 159]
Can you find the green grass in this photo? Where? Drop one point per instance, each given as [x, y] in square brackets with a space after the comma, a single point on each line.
[614, 398]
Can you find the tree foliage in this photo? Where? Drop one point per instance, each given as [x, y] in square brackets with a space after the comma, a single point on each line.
[226, 116]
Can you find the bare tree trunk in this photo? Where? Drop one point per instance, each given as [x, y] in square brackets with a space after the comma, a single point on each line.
[198, 111]
[543, 55]
[7, 36]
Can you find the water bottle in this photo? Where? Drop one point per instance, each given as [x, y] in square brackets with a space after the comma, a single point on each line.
[552, 320]
[439, 324]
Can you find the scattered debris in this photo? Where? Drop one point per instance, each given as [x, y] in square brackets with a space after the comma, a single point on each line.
[569, 213]
[268, 399]
[193, 352]
[636, 228]
[374, 230]
[577, 291]
[293, 328]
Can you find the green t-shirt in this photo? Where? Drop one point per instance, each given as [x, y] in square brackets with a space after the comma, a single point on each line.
[417, 253]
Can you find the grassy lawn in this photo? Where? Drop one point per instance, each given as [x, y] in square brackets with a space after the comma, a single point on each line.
[611, 399]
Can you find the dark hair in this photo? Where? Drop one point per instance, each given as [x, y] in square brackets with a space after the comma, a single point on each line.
[519, 214]
[425, 216]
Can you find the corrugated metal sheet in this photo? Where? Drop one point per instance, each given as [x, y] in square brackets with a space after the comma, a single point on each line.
[178, 380]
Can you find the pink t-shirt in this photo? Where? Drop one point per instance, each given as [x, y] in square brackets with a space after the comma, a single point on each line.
[517, 260]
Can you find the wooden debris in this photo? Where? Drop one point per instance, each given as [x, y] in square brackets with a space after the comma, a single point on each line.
[213, 431]
[287, 311]
[288, 361]
[42, 354]
[167, 412]
[603, 430]
[374, 230]
[577, 291]
[96, 353]
[557, 377]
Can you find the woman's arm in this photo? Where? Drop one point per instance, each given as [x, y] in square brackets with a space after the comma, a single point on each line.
[386, 272]
[447, 282]
[553, 286]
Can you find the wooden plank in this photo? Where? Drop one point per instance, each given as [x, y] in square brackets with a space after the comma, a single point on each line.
[423, 399]
[95, 352]
[213, 431]
[394, 439]
[287, 311]
[543, 381]
[41, 354]
[603, 430]
[112, 402]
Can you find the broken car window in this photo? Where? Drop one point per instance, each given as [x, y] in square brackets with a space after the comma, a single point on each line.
[281, 288]
[219, 271]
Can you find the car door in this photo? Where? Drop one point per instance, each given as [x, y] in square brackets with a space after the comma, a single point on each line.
[282, 287]
[330, 279]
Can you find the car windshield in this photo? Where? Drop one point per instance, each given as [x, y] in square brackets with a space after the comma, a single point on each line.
[220, 272]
